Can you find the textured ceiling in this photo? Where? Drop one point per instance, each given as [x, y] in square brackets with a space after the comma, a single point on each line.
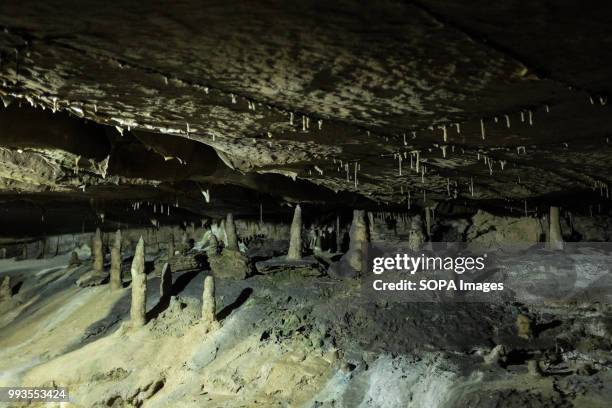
[494, 100]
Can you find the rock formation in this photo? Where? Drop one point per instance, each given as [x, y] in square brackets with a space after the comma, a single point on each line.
[416, 236]
[115, 270]
[351, 263]
[5, 289]
[170, 248]
[98, 254]
[139, 287]
[295, 238]
[493, 231]
[230, 231]
[230, 263]
[209, 307]
[496, 355]
[555, 239]
[524, 327]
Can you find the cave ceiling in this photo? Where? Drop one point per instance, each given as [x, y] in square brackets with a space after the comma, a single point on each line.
[381, 102]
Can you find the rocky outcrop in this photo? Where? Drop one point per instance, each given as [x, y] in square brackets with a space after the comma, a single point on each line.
[229, 264]
[592, 229]
[492, 231]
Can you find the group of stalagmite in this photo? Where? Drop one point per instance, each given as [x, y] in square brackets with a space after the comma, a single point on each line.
[138, 315]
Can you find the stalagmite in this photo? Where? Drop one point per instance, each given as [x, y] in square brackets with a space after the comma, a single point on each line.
[170, 248]
[523, 326]
[209, 308]
[497, 355]
[230, 231]
[165, 283]
[555, 238]
[115, 270]
[428, 221]
[98, 254]
[416, 236]
[139, 287]
[351, 264]
[5, 289]
[358, 238]
[295, 240]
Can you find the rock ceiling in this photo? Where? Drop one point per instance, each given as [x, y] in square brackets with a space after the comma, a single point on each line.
[395, 102]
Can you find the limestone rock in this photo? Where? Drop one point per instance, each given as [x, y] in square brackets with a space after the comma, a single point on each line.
[308, 266]
[492, 231]
[229, 264]
[593, 229]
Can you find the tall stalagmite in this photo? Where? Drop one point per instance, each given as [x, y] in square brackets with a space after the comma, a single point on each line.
[230, 231]
[115, 271]
[139, 287]
[351, 263]
[209, 308]
[98, 255]
[554, 236]
[295, 240]
[358, 238]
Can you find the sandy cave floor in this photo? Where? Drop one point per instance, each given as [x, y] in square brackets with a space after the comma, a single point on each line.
[290, 342]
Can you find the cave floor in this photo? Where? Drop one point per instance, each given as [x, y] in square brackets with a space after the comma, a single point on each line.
[291, 341]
